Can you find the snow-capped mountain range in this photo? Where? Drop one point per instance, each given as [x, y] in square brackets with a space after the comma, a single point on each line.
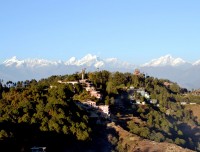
[28, 62]
[88, 61]
[167, 60]
[97, 62]
[175, 69]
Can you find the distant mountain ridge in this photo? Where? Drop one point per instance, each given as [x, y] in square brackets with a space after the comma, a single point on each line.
[175, 69]
[88, 60]
[167, 60]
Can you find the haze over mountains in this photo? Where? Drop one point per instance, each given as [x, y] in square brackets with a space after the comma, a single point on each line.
[184, 73]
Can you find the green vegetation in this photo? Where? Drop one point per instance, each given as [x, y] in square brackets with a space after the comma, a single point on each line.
[165, 122]
[37, 111]
[193, 98]
[46, 108]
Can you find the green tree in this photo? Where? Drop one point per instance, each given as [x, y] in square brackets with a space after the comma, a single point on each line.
[107, 100]
[111, 89]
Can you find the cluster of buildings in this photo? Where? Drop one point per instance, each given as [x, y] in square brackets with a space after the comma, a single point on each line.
[11, 84]
[196, 92]
[89, 87]
[144, 94]
[93, 92]
[103, 109]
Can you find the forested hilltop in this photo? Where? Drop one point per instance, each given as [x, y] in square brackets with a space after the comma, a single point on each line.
[51, 112]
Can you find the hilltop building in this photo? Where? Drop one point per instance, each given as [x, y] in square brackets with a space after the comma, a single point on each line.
[167, 84]
[136, 72]
[83, 73]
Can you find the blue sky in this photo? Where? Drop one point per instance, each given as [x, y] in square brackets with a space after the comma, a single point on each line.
[131, 30]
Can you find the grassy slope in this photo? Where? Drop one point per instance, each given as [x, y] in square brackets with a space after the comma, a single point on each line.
[133, 143]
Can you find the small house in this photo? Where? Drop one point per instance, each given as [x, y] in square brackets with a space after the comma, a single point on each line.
[38, 149]
[104, 109]
[153, 101]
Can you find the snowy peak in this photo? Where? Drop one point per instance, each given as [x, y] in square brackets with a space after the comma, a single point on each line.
[97, 62]
[28, 62]
[166, 60]
[196, 63]
[71, 61]
[88, 60]
[41, 63]
[13, 61]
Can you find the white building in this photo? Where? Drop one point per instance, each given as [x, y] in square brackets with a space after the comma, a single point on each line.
[192, 103]
[146, 95]
[90, 103]
[68, 82]
[104, 108]
[138, 101]
[183, 103]
[153, 101]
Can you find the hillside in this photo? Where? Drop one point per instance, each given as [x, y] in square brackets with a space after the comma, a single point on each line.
[76, 108]
[195, 110]
[132, 143]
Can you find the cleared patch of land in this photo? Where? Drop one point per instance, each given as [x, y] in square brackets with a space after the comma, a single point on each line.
[195, 109]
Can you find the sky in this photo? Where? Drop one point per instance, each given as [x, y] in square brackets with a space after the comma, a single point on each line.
[130, 30]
